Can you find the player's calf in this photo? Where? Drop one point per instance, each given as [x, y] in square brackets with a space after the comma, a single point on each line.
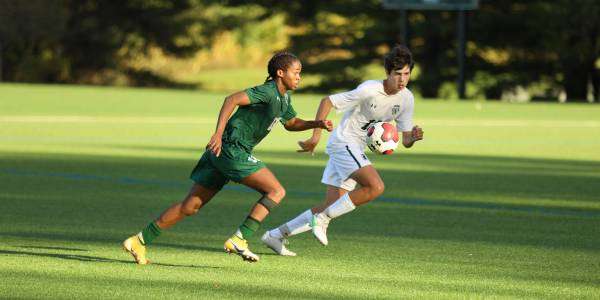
[320, 221]
[237, 243]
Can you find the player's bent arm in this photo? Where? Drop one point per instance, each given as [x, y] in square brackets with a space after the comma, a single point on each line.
[297, 124]
[229, 105]
[322, 113]
[231, 101]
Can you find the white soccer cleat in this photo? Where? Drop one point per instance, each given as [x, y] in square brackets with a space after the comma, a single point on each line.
[319, 224]
[277, 245]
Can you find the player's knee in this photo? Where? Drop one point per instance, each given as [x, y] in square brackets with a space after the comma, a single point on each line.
[267, 202]
[377, 189]
[276, 194]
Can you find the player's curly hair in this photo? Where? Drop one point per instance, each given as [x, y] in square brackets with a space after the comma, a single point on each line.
[281, 60]
[397, 58]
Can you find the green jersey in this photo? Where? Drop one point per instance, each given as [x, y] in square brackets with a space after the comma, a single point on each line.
[251, 123]
[246, 128]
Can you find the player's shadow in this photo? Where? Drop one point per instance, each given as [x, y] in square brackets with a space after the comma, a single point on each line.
[89, 258]
[501, 200]
[53, 248]
[74, 237]
[190, 247]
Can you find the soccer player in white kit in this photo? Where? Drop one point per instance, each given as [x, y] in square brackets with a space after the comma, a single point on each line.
[372, 101]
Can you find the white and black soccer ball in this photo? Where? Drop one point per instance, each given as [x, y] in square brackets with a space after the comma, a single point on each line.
[382, 138]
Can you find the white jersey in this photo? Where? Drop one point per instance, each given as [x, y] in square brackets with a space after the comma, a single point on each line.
[366, 104]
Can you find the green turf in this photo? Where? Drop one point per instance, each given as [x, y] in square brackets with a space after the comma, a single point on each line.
[499, 201]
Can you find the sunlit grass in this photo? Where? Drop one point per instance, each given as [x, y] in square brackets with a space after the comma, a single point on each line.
[499, 200]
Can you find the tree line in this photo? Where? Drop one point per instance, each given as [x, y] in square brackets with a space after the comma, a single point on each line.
[547, 47]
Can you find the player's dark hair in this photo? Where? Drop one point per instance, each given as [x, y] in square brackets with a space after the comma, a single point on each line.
[281, 60]
[397, 58]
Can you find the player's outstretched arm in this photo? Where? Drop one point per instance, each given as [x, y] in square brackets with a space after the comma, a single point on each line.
[230, 103]
[310, 144]
[297, 124]
[410, 137]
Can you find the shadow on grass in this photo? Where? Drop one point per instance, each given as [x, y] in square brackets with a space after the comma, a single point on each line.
[551, 203]
[89, 258]
[53, 248]
[197, 286]
[75, 237]
[248, 287]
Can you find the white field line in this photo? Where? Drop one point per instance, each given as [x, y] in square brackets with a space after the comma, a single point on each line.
[204, 120]
[105, 120]
[511, 123]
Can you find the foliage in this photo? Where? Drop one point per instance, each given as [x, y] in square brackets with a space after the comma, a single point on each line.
[30, 33]
[247, 45]
[532, 41]
[511, 45]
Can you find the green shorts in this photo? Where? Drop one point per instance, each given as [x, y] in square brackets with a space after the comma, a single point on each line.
[214, 172]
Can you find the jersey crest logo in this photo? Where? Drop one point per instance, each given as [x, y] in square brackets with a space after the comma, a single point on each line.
[395, 109]
[253, 159]
[373, 105]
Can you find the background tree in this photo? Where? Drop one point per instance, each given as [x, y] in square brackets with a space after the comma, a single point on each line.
[30, 33]
[74, 41]
[543, 47]
[522, 42]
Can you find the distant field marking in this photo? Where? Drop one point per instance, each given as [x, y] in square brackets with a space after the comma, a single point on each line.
[109, 120]
[211, 120]
[510, 123]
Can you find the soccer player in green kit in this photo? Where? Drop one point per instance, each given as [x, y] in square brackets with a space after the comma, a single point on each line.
[228, 156]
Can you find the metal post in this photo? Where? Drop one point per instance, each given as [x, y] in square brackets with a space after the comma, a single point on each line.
[461, 28]
[403, 24]
[1, 59]
[405, 28]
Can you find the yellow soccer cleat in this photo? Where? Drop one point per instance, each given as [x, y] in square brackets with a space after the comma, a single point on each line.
[239, 246]
[134, 246]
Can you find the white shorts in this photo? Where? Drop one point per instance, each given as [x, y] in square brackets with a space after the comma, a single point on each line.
[341, 164]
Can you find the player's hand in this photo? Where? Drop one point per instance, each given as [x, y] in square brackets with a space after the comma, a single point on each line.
[308, 145]
[214, 145]
[326, 124]
[417, 133]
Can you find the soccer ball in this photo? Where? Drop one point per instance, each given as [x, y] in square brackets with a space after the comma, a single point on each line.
[382, 138]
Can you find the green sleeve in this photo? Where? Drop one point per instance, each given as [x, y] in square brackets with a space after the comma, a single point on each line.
[260, 94]
[288, 115]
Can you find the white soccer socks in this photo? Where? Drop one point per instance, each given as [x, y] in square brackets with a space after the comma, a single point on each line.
[320, 221]
[342, 206]
[276, 238]
[297, 225]
[276, 244]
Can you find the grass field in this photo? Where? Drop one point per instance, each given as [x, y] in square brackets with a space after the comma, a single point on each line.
[499, 201]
